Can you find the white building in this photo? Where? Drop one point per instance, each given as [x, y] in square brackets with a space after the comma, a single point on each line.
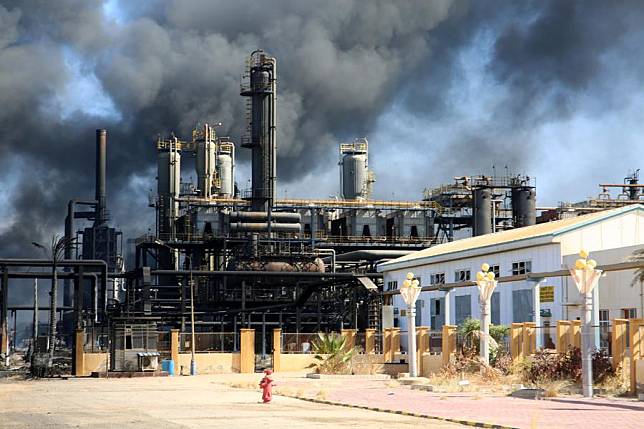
[610, 236]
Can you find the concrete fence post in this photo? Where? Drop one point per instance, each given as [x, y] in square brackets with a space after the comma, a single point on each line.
[247, 351]
[564, 333]
[516, 341]
[369, 341]
[277, 349]
[350, 338]
[422, 345]
[529, 339]
[79, 353]
[387, 345]
[576, 333]
[448, 346]
[618, 342]
[636, 328]
[174, 349]
[395, 343]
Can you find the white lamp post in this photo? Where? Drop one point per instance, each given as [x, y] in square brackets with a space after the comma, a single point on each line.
[486, 284]
[586, 277]
[410, 291]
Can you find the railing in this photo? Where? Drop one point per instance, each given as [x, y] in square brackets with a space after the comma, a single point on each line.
[297, 342]
[209, 342]
[361, 342]
[96, 340]
[378, 346]
[435, 342]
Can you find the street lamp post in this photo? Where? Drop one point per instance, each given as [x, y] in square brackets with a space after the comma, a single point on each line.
[586, 278]
[410, 291]
[193, 361]
[486, 285]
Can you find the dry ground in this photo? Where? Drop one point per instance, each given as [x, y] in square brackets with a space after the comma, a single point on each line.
[173, 402]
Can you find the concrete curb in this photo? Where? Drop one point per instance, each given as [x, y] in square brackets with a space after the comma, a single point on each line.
[403, 413]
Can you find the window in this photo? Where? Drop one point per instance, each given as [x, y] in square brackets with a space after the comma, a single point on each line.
[420, 281]
[393, 285]
[629, 313]
[462, 275]
[521, 267]
[604, 317]
[496, 270]
[437, 279]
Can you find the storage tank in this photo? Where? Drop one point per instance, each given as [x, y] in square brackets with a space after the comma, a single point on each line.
[481, 211]
[168, 176]
[524, 206]
[354, 171]
[225, 170]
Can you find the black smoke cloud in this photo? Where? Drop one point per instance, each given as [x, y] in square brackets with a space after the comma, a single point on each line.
[168, 64]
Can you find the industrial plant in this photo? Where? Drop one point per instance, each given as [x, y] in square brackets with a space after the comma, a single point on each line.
[223, 258]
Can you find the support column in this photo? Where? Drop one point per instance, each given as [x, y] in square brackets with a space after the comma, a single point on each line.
[247, 351]
[448, 347]
[448, 308]
[586, 346]
[78, 363]
[277, 349]
[174, 349]
[370, 341]
[536, 298]
[618, 342]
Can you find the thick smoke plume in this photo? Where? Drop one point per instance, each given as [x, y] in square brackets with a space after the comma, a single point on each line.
[138, 69]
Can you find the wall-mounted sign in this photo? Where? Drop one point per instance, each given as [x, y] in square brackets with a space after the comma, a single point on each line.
[547, 293]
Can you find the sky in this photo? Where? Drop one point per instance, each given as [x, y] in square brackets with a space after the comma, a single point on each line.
[551, 89]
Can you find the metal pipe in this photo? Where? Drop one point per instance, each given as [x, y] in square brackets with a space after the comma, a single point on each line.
[276, 217]
[264, 226]
[264, 274]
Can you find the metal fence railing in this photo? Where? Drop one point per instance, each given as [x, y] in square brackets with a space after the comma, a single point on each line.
[361, 342]
[435, 342]
[378, 343]
[298, 342]
[209, 342]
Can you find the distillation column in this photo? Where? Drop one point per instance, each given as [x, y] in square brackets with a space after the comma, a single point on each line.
[261, 88]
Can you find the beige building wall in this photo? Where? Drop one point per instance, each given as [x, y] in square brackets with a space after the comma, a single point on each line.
[209, 363]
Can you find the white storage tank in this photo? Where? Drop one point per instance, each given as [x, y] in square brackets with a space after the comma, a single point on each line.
[225, 170]
[169, 173]
[355, 175]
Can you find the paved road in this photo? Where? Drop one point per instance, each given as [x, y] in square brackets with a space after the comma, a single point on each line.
[179, 402]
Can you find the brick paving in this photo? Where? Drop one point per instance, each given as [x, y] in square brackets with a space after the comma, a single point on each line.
[500, 410]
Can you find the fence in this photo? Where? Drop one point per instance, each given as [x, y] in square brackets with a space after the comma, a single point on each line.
[297, 343]
[96, 340]
[209, 342]
[435, 342]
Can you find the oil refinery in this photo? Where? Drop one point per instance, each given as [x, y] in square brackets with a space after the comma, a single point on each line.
[222, 258]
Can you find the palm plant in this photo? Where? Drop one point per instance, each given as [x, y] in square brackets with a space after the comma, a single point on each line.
[331, 354]
[56, 253]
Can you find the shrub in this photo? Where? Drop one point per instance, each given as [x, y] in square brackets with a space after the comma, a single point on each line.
[546, 366]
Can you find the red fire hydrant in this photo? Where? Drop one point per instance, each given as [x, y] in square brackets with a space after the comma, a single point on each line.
[266, 384]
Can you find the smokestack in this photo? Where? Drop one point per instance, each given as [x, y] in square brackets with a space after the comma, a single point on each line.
[101, 196]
